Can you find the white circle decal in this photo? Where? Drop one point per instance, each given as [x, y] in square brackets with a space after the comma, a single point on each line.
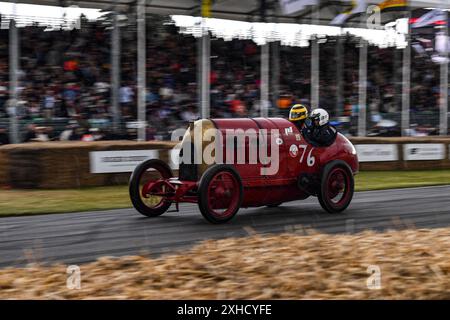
[293, 151]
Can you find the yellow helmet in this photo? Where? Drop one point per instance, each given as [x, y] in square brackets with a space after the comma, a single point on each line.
[298, 112]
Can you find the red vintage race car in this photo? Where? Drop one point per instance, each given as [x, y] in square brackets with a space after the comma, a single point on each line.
[226, 164]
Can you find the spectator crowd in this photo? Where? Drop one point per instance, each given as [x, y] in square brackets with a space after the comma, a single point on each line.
[65, 92]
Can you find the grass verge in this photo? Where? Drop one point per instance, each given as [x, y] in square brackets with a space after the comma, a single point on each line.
[26, 202]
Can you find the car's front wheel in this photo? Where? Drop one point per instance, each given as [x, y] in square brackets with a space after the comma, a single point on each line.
[337, 187]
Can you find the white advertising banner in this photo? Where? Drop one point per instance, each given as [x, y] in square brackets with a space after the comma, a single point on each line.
[423, 151]
[376, 152]
[119, 161]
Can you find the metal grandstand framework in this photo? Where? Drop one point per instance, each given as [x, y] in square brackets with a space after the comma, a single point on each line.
[248, 11]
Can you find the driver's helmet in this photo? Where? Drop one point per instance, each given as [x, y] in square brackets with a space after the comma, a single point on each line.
[298, 113]
[319, 117]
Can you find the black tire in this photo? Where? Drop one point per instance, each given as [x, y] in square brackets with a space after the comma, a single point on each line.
[324, 194]
[203, 201]
[134, 189]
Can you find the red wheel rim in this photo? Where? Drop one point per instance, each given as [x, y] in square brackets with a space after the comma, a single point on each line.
[152, 175]
[338, 187]
[223, 194]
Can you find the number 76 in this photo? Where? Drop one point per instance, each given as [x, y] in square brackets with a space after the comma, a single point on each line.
[310, 160]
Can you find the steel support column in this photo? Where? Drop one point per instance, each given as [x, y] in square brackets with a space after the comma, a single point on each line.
[264, 89]
[315, 62]
[406, 83]
[339, 76]
[443, 127]
[362, 92]
[141, 65]
[115, 72]
[204, 65]
[275, 79]
[13, 83]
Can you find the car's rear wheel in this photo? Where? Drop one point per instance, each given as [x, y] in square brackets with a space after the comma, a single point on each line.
[144, 197]
[220, 193]
[337, 187]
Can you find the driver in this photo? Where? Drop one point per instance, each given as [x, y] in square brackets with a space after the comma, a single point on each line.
[317, 129]
[298, 115]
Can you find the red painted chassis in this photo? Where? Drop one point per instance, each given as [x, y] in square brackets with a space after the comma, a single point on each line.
[304, 170]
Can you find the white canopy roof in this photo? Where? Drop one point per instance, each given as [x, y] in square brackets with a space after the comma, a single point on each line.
[288, 33]
[232, 19]
[248, 10]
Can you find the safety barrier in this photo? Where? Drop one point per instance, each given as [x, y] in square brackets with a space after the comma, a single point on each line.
[405, 153]
[87, 164]
[66, 164]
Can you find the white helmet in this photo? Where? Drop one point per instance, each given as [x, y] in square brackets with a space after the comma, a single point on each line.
[321, 115]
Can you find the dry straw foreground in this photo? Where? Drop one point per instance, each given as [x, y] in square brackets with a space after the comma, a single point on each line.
[413, 263]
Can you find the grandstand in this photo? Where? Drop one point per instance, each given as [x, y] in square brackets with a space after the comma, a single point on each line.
[105, 78]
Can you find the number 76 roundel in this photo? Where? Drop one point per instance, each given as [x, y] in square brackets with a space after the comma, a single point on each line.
[303, 149]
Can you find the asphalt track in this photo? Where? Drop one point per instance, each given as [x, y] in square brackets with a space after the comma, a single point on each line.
[82, 237]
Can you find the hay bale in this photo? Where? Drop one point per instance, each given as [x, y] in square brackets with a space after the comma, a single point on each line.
[65, 164]
[4, 168]
[413, 264]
